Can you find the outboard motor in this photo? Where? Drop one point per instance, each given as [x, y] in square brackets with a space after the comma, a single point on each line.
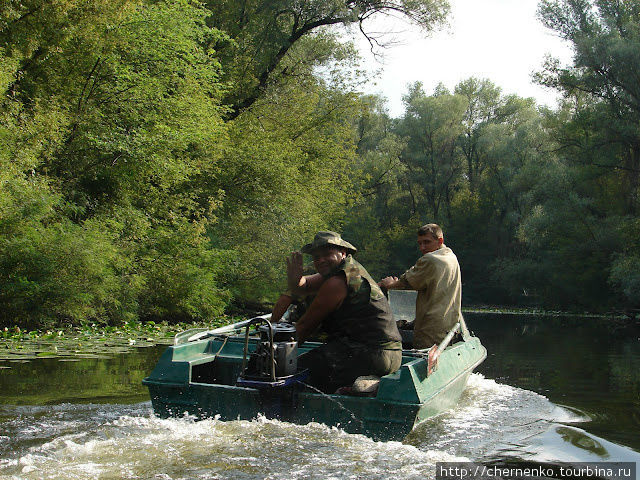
[274, 363]
[272, 368]
[279, 338]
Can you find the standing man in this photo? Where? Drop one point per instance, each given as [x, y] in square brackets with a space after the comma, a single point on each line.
[363, 338]
[436, 277]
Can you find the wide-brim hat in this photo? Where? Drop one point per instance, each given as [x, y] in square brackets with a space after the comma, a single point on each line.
[322, 239]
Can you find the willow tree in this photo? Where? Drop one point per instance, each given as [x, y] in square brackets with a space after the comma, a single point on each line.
[605, 37]
[264, 31]
[377, 216]
[599, 139]
[432, 125]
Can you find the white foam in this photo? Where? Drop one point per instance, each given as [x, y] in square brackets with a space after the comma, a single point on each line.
[490, 418]
[263, 448]
[93, 441]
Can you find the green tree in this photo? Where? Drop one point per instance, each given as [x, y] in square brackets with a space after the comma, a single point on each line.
[510, 150]
[443, 141]
[110, 119]
[376, 220]
[432, 125]
[606, 40]
[483, 103]
[284, 176]
[597, 133]
[264, 33]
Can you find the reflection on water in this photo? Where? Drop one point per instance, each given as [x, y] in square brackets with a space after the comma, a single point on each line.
[592, 365]
[588, 444]
[115, 378]
[510, 412]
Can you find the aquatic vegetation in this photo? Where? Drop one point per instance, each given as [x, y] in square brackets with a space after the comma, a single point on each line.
[92, 340]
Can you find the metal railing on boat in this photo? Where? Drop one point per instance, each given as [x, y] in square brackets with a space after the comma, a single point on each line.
[195, 334]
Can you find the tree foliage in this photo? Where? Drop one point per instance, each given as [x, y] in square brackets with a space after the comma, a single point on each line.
[606, 40]
[264, 32]
[464, 160]
[541, 206]
[110, 113]
[598, 142]
[158, 159]
[136, 183]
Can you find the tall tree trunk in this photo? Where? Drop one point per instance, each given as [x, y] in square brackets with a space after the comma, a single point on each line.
[631, 180]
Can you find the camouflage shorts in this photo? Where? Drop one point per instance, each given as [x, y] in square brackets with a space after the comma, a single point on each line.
[340, 361]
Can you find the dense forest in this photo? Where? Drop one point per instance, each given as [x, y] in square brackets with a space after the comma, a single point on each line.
[158, 159]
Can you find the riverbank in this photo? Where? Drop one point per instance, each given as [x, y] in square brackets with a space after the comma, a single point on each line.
[546, 313]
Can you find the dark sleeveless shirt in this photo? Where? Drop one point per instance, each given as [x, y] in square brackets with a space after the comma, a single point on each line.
[364, 316]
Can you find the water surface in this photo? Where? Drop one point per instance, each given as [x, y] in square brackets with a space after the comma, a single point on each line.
[588, 364]
[551, 389]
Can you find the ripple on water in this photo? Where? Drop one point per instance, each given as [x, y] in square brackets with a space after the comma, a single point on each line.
[149, 447]
[490, 417]
[119, 441]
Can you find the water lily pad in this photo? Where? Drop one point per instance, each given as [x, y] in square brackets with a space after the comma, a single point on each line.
[18, 356]
[92, 341]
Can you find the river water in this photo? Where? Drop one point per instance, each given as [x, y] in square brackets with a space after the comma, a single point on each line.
[553, 389]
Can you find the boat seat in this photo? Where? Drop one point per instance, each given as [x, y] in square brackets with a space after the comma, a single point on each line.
[366, 386]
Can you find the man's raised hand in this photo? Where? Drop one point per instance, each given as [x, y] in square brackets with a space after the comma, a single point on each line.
[294, 271]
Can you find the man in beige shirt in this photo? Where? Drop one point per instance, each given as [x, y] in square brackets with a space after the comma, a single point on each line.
[436, 277]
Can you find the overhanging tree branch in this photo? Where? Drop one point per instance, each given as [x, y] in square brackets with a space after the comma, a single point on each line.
[286, 23]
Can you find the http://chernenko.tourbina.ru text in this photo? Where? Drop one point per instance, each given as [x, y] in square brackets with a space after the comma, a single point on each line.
[506, 471]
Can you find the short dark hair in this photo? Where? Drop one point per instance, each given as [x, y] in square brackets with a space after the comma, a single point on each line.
[432, 229]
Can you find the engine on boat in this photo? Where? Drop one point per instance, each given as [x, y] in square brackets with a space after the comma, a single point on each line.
[274, 362]
[285, 351]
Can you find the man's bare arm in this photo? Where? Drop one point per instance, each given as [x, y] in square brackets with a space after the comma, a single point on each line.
[329, 298]
[280, 307]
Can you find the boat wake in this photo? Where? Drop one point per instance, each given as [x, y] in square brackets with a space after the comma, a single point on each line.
[126, 441]
[496, 423]
[149, 447]
[491, 418]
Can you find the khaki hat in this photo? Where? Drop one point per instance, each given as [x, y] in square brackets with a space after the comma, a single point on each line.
[327, 238]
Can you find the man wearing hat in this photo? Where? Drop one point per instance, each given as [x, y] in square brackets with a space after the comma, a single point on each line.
[351, 309]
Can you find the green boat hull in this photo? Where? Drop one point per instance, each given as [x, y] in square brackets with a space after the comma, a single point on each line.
[199, 379]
